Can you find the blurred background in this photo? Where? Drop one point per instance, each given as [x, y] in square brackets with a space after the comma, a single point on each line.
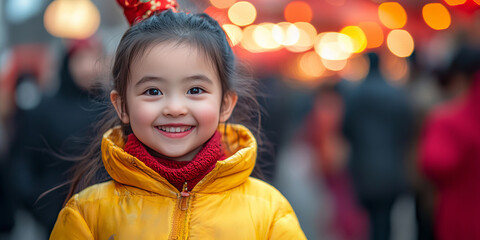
[356, 94]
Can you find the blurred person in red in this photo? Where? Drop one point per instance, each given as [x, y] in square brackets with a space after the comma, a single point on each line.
[323, 131]
[450, 150]
[49, 131]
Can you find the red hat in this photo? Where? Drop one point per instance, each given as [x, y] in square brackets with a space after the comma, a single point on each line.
[137, 10]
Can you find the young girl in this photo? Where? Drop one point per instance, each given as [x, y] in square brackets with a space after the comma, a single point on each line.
[178, 170]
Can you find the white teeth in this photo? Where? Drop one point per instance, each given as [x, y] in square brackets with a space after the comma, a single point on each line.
[174, 129]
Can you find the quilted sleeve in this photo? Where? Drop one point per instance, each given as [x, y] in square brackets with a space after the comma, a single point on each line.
[286, 225]
[70, 225]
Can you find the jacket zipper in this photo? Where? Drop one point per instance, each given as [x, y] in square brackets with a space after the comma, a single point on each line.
[178, 228]
[184, 197]
[179, 216]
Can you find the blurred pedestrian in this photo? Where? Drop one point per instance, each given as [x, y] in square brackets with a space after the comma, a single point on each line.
[324, 133]
[48, 131]
[25, 95]
[377, 126]
[450, 150]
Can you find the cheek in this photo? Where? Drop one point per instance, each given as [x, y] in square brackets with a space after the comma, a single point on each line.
[142, 114]
[208, 113]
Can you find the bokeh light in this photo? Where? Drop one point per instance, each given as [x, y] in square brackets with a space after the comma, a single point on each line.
[333, 46]
[334, 65]
[298, 11]
[306, 37]
[400, 43]
[359, 40]
[436, 16]
[263, 36]
[392, 15]
[222, 3]
[394, 69]
[477, 1]
[248, 41]
[242, 13]
[286, 33]
[311, 65]
[71, 19]
[234, 33]
[455, 2]
[356, 69]
[373, 32]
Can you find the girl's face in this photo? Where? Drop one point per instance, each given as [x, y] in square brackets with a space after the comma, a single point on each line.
[173, 100]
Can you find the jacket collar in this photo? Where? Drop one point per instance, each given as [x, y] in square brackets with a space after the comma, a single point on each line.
[229, 173]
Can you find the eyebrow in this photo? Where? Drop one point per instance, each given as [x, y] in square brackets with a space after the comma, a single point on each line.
[147, 79]
[198, 77]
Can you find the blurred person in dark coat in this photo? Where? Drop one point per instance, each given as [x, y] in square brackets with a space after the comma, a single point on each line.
[450, 150]
[25, 94]
[377, 124]
[40, 133]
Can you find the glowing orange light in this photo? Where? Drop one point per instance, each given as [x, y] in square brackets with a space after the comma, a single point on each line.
[334, 65]
[477, 1]
[298, 11]
[400, 43]
[356, 69]
[71, 19]
[373, 33]
[436, 16]
[286, 33]
[333, 46]
[264, 38]
[392, 15]
[455, 2]
[222, 3]
[234, 33]
[242, 13]
[311, 65]
[305, 69]
[248, 41]
[306, 37]
[394, 69]
[359, 40]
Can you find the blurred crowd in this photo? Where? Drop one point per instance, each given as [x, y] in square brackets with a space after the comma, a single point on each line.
[376, 160]
[41, 131]
[372, 159]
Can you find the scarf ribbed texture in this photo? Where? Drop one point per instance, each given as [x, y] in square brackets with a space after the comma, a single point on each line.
[179, 172]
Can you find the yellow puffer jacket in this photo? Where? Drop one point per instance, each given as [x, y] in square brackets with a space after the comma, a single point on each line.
[139, 204]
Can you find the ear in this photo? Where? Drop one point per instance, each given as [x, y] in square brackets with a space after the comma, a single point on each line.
[229, 102]
[117, 103]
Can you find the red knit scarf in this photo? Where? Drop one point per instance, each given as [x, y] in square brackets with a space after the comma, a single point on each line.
[179, 172]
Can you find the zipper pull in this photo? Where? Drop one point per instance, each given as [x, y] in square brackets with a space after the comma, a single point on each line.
[184, 195]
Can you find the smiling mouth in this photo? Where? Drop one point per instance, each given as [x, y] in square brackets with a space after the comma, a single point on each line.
[169, 129]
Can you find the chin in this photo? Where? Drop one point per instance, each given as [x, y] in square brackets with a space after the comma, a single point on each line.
[177, 157]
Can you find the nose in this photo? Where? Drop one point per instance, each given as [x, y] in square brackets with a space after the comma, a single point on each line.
[174, 107]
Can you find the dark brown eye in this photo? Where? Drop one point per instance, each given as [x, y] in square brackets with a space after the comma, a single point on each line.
[195, 90]
[153, 92]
